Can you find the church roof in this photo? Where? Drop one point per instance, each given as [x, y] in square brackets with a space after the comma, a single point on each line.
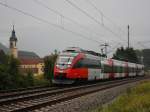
[13, 35]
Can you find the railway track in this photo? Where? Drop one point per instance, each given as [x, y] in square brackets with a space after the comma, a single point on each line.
[21, 89]
[10, 94]
[30, 102]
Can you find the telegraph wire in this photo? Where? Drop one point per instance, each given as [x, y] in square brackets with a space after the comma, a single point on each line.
[61, 15]
[101, 13]
[88, 15]
[115, 47]
[47, 22]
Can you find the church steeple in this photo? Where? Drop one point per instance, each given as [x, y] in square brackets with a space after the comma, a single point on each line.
[13, 44]
[13, 35]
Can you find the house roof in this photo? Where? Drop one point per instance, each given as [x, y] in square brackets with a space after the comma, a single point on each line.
[27, 55]
[31, 61]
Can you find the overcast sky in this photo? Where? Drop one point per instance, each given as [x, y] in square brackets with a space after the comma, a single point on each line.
[43, 38]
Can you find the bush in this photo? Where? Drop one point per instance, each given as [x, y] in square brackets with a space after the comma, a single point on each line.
[49, 62]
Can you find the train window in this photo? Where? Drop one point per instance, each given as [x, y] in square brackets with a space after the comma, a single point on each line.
[118, 69]
[121, 69]
[88, 63]
[125, 69]
[129, 69]
[107, 69]
[79, 64]
[94, 63]
[64, 60]
[115, 69]
[132, 70]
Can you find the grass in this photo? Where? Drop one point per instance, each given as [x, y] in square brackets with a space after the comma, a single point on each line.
[135, 99]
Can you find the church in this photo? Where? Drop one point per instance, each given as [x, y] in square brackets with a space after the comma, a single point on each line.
[29, 61]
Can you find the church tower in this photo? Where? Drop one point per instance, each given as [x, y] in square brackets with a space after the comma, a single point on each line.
[13, 44]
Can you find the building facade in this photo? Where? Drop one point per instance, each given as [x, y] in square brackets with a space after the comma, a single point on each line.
[36, 66]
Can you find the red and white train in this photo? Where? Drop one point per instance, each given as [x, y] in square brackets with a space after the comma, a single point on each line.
[77, 64]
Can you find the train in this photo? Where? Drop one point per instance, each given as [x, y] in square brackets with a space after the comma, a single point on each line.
[75, 64]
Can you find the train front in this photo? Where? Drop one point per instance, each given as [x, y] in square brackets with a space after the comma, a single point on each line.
[63, 68]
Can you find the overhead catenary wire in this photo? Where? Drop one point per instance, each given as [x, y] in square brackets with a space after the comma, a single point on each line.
[65, 17]
[47, 22]
[115, 47]
[88, 15]
[103, 16]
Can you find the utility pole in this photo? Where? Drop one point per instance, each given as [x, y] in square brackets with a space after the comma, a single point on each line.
[128, 35]
[105, 47]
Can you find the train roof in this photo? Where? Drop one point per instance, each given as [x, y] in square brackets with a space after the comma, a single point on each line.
[74, 51]
[80, 50]
[69, 54]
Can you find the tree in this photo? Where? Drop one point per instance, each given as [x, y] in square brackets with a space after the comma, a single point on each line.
[146, 59]
[49, 65]
[30, 78]
[128, 54]
[5, 78]
[3, 57]
[13, 66]
[9, 73]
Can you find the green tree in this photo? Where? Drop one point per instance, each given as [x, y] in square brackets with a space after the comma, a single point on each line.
[49, 65]
[13, 70]
[5, 78]
[146, 59]
[3, 57]
[30, 78]
[126, 54]
[13, 66]
[8, 72]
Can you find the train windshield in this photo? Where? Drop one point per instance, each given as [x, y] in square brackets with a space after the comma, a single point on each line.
[64, 61]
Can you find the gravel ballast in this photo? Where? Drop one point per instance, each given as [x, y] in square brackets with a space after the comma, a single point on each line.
[88, 102]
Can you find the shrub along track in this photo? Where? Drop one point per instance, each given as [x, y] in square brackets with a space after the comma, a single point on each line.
[42, 99]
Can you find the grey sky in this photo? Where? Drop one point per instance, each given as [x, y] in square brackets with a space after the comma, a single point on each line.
[43, 38]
